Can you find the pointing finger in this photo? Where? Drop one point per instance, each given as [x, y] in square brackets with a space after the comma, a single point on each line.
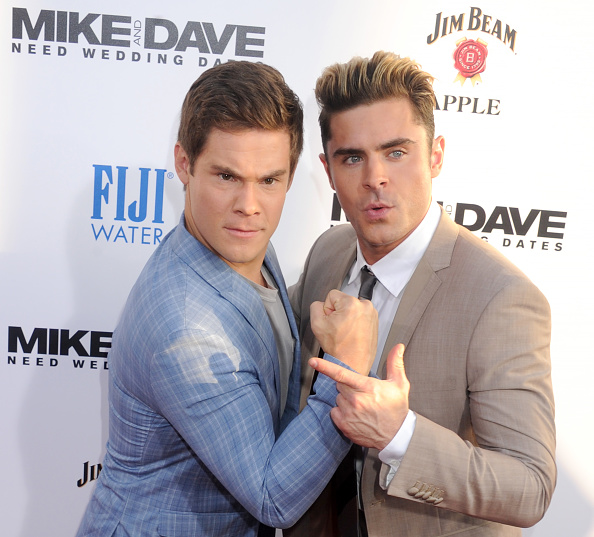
[337, 373]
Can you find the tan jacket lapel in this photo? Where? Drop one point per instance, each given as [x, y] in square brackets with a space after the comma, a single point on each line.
[421, 287]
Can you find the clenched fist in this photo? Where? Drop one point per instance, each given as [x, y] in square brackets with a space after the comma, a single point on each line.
[346, 327]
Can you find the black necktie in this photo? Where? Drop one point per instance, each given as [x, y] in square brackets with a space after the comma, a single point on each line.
[350, 518]
[368, 281]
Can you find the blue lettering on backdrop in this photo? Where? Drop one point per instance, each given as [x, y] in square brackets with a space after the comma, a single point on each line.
[136, 211]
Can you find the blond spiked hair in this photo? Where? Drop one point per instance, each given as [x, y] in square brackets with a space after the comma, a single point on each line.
[385, 75]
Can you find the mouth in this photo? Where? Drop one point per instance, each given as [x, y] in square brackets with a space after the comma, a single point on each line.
[242, 233]
[376, 210]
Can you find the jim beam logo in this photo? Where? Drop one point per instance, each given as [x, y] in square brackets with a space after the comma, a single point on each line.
[90, 472]
[470, 59]
[470, 54]
[473, 21]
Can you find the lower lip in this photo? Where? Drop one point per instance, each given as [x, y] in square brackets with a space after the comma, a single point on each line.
[377, 214]
[242, 234]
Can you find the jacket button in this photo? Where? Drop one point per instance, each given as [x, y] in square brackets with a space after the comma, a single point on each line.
[436, 496]
[429, 493]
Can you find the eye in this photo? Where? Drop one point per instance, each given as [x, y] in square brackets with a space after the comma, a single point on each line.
[269, 181]
[225, 176]
[398, 153]
[353, 159]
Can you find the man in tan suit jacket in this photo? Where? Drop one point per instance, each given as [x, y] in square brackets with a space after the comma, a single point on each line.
[475, 435]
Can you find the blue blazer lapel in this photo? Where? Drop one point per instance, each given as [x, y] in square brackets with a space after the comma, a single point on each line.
[228, 284]
[245, 299]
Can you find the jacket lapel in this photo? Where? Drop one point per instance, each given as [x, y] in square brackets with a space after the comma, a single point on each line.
[421, 287]
[329, 266]
[332, 265]
[228, 284]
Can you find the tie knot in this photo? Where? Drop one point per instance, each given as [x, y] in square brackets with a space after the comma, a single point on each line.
[368, 281]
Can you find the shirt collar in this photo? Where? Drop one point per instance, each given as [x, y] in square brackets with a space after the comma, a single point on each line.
[396, 268]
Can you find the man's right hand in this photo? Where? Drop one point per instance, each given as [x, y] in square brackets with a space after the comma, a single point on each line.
[369, 411]
[346, 328]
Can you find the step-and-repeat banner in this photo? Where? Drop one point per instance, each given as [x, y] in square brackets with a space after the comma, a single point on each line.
[90, 99]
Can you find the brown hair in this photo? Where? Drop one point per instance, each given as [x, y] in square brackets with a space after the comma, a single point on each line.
[236, 96]
[367, 80]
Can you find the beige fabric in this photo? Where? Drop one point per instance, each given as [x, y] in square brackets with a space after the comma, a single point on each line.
[477, 333]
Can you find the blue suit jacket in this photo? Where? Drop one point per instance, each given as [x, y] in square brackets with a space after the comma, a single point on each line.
[194, 427]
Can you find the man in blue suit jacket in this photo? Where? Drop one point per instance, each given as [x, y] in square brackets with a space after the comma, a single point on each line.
[204, 366]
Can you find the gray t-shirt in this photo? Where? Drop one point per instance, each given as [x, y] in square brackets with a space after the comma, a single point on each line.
[280, 327]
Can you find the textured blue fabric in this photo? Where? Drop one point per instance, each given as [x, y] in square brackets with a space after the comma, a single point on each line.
[195, 444]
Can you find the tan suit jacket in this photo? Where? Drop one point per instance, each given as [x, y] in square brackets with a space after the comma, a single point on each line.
[477, 335]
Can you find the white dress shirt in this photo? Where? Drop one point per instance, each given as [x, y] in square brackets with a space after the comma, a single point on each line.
[393, 272]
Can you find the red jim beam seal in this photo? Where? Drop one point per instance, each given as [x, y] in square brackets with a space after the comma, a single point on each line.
[470, 59]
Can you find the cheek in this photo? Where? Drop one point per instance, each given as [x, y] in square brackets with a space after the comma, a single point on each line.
[420, 196]
[347, 190]
[204, 204]
[276, 209]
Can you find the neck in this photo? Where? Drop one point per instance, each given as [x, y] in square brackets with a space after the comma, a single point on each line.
[260, 280]
[251, 271]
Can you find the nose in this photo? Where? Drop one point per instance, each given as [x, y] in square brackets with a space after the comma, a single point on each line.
[246, 201]
[375, 174]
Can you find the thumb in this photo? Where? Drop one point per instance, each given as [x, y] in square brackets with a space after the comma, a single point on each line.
[316, 310]
[395, 364]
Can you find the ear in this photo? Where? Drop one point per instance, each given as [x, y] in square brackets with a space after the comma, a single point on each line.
[182, 163]
[437, 155]
[327, 168]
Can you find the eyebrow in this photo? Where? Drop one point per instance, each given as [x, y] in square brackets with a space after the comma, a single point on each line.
[230, 171]
[386, 145]
[275, 173]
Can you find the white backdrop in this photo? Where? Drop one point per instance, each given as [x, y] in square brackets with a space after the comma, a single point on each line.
[85, 100]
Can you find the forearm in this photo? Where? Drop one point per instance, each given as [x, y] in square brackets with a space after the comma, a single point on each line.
[223, 415]
[303, 459]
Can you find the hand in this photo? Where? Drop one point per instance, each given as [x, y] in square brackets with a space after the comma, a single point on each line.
[369, 411]
[346, 328]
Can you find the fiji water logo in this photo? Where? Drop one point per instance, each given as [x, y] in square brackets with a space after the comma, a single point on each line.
[128, 205]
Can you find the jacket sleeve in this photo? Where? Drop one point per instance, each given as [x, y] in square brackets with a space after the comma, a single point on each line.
[209, 391]
[509, 474]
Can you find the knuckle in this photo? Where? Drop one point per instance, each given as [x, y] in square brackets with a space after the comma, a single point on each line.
[340, 377]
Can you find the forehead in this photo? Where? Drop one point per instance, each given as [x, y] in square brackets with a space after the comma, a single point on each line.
[376, 122]
[248, 144]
